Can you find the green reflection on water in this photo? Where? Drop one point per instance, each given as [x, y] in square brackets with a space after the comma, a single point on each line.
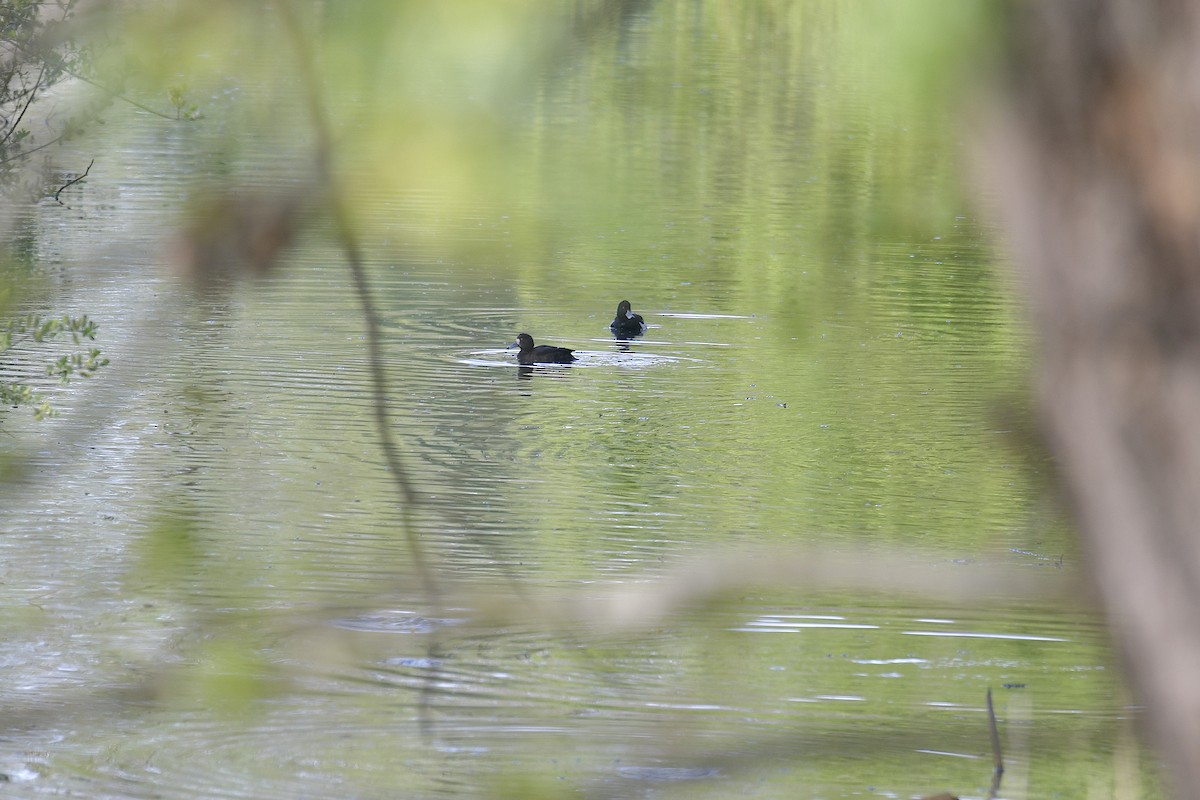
[744, 163]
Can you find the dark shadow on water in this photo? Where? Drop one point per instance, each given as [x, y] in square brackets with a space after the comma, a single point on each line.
[526, 372]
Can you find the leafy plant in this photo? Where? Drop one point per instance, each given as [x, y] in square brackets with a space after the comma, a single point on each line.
[35, 330]
[39, 52]
[184, 108]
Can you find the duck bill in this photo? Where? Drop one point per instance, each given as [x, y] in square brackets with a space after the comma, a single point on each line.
[514, 346]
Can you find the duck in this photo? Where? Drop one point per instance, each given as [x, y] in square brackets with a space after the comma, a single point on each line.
[542, 353]
[627, 324]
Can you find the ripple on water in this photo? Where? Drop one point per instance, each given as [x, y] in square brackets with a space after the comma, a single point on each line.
[622, 359]
[514, 698]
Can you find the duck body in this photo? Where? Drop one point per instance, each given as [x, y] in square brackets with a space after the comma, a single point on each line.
[528, 353]
[627, 324]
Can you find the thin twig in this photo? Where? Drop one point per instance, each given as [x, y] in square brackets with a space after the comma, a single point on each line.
[72, 182]
[358, 272]
[78, 76]
[118, 95]
[997, 760]
[32, 150]
[28, 101]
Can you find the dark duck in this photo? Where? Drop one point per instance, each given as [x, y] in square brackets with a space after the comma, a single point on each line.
[627, 324]
[542, 353]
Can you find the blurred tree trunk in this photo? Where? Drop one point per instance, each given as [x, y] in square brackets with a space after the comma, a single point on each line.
[1096, 159]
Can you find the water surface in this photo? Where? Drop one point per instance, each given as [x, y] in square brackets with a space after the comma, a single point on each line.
[208, 583]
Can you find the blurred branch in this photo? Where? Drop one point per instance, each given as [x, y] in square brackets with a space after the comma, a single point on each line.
[354, 260]
[1092, 157]
[14, 126]
[720, 574]
[66, 70]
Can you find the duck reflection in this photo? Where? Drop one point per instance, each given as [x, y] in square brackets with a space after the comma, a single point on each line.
[526, 372]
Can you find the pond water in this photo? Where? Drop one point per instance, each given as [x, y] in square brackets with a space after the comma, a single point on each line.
[207, 577]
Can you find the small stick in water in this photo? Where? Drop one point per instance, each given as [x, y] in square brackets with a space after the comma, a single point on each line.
[998, 772]
[996, 758]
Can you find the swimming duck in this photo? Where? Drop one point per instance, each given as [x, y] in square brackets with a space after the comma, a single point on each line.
[627, 324]
[542, 354]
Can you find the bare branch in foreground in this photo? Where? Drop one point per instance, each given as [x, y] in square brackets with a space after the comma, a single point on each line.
[719, 574]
